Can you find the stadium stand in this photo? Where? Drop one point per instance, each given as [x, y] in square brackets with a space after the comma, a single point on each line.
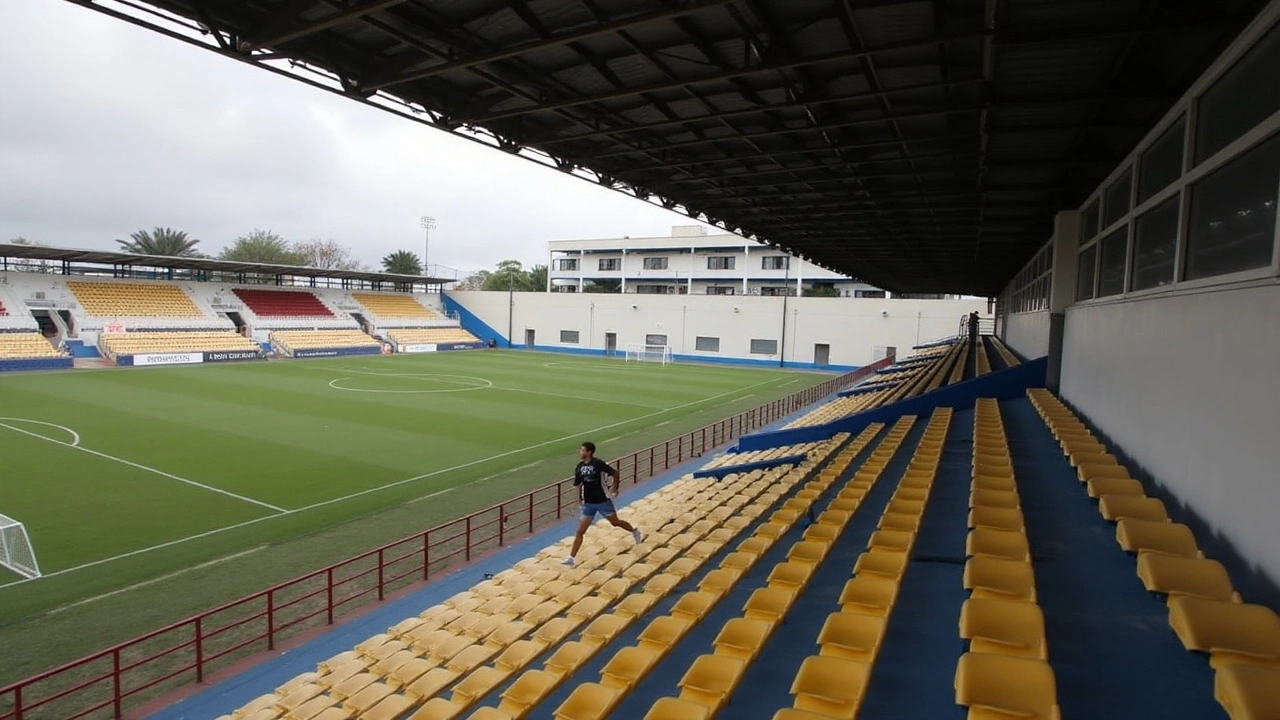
[394, 306]
[25, 345]
[115, 344]
[434, 336]
[290, 341]
[133, 300]
[1006, 355]
[290, 304]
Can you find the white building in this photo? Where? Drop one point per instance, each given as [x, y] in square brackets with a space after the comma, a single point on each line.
[690, 262]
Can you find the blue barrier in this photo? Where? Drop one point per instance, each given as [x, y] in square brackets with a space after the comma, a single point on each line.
[1002, 385]
[334, 352]
[78, 349]
[57, 363]
[719, 472]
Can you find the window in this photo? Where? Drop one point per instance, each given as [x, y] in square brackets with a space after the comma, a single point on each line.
[1244, 96]
[1233, 214]
[1112, 255]
[654, 290]
[1161, 164]
[654, 339]
[1084, 275]
[721, 262]
[721, 289]
[706, 344]
[1089, 221]
[567, 263]
[879, 294]
[1155, 243]
[764, 347]
[610, 264]
[778, 291]
[1116, 199]
[774, 262]
[569, 337]
[655, 263]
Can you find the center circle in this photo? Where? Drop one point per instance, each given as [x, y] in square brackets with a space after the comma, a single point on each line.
[409, 383]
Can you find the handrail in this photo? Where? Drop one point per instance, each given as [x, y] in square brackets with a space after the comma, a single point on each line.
[125, 675]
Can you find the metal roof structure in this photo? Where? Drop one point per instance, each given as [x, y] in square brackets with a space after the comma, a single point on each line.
[923, 145]
[104, 257]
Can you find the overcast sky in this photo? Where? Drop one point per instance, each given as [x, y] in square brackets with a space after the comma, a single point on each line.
[106, 128]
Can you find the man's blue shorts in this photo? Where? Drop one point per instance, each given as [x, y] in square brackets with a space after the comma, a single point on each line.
[605, 509]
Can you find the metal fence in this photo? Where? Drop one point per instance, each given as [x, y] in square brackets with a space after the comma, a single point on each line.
[107, 683]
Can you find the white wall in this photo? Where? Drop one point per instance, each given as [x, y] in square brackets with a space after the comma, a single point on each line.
[852, 327]
[1028, 333]
[1189, 386]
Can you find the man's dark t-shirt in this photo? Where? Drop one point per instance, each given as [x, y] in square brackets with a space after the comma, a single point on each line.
[590, 475]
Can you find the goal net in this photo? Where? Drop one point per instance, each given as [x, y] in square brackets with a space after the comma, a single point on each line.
[639, 352]
[15, 549]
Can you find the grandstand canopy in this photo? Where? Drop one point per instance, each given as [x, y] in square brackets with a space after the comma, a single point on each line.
[102, 257]
[922, 145]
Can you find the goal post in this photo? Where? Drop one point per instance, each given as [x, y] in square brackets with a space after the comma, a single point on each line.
[15, 549]
[640, 352]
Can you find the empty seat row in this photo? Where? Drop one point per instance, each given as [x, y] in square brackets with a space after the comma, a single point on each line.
[982, 361]
[1241, 640]
[1005, 671]
[25, 345]
[287, 341]
[394, 305]
[754, 456]
[134, 343]
[102, 299]
[432, 336]
[1003, 350]
[283, 303]
[832, 682]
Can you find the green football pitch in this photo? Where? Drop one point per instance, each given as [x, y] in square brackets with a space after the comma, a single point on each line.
[126, 475]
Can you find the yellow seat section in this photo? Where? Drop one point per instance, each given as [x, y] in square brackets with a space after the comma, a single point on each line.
[394, 305]
[103, 299]
[1003, 627]
[431, 336]
[741, 638]
[830, 686]
[990, 577]
[627, 667]
[1248, 692]
[1174, 576]
[588, 701]
[869, 595]
[999, 687]
[290, 340]
[851, 636]
[1006, 544]
[139, 343]
[1230, 632]
[710, 680]
[22, 345]
[528, 690]
[1165, 538]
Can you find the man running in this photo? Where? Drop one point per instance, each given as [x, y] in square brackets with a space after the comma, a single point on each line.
[588, 477]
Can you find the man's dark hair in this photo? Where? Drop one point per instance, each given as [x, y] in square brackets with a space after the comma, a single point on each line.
[590, 446]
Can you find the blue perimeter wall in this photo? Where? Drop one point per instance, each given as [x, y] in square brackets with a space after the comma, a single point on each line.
[474, 325]
[1006, 384]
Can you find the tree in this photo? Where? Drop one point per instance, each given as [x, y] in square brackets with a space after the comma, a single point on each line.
[161, 241]
[508, 275]
[261, 246]
[402, 262]
[603, 286]
[475, 281]
[821, 291]
[326, 255]
[537, 278]
[23, 241]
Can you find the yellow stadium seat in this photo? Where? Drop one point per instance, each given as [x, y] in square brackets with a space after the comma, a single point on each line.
[885, 563]
[1231, 632]
[527, 691]
[869, 595]
[830, 686]
[569, 657]
[1098, 487]
[1006, 544]
[438, 709]
[662, 634]
[996, 518]
[894, 540]
[851, 636]
[669, 708]
[994, 498]
[636, 604]
[1003, 627]
[742, 638]
[366, 699]
[1195, 577]
[710, 680]
[588, 701]
[989, 577]
[719, 581]
[478, 684]
[693, 606]
[1087, 472]
[995, 687]
[769, 604]
[518, 654]
[431, 683]
[627, 667]
[1165, 538]
[1248, 692]
[604, 629]
[488, 713]
[989, 482]
[790, 575]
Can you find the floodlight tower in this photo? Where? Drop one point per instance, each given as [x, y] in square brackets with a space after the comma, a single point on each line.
[427, 223]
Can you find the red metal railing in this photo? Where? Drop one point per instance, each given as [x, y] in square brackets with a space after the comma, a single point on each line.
[103, 684]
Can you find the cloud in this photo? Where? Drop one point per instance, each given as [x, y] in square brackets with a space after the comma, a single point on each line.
[108, 128]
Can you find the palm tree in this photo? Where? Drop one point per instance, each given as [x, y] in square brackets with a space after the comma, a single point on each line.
[402, 262]
[161, 241]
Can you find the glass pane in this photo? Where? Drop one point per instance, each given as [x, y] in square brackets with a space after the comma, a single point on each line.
[1162, 163]
[1089, 221]
[1233, 214]
[1155, 244]
[1116, 199]
[1244, 96]
[1114, 251]
[1084, 278]
[764, 347]
[707, 344]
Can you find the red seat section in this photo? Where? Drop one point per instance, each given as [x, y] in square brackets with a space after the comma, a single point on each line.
[283, 303]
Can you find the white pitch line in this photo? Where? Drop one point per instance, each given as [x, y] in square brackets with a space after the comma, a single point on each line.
[139, 466]
[379, 488]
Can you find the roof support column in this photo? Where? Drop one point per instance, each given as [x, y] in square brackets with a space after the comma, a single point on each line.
[1062, 290]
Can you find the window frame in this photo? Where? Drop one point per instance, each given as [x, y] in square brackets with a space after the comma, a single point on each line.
[660, 262]
[577, 337]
